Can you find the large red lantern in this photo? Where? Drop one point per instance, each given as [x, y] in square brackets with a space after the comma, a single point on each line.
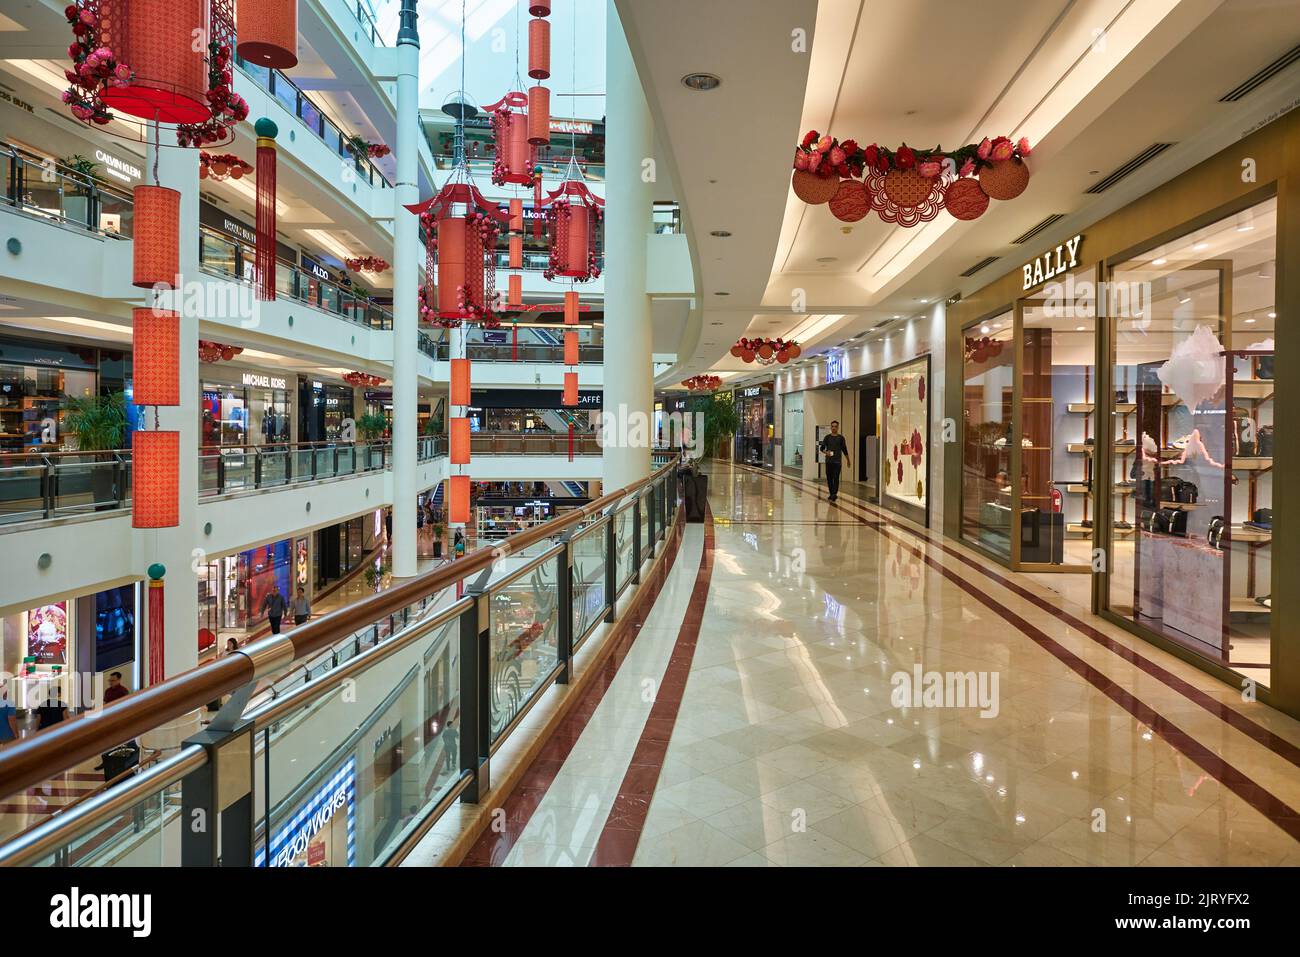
[157, 236]
[459, 441]
[573, 221]
[516, 216]
[516, 156]
[168, 70]
[539, 115]
[539, 49]
[458, 499]
[517, 252]
[155, 465]
[156, 338]
[515, 291]
[462, 229]
[572, 307]
[460, 372]
[268, 32]
[570, 389]
[570, 348]
[539, 8]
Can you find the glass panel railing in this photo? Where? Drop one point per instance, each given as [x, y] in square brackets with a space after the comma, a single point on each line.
[22, 490]
[89, 483]
[343, 779]
[647, 543]
[590, 603]
[623, 546]
[523, 624]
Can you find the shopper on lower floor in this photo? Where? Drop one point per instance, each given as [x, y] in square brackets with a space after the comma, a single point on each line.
[115, 690]
[301, 607]
[274, 605]
[833, 447]
[9, 730]
[458, 547]
[53, 711]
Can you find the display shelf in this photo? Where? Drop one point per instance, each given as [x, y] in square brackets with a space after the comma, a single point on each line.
[1250, 535]
[1252, 463]
[1081, 529]
[1254, 389]
[1182, 505]
[1247, 606]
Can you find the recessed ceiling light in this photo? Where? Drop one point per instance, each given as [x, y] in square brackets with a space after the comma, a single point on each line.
[1248, 321]
[1184, 300]
[985, 329]
[1159, 262]
[1199, 246]
[828, 259]
[1272, 315]
[701, 82]
[722, 294]
[1080, 328]
[720, 233]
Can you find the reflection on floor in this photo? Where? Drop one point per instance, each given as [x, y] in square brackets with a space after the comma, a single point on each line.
[1053, 738]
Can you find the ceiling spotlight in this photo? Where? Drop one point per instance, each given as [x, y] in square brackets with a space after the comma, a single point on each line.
[1272, 315]
[701, 82]
[722, 294]
[1250, 320]
[1199, 246]
[1159, 262]
[828, 259]
[1080, 328]
[720, 233]
[985, 329]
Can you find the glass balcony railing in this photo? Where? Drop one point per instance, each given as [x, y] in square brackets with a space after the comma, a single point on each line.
[436, 688]
[38, 486]
[64, 195]
[546, 443]
[221, 256]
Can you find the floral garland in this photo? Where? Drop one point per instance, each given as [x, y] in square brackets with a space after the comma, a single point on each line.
[827, 156]
[218, 166]
[210, 351]
[363, 379]
[95, 67]
[377, 150]
[766, 351]
[367, 264]
[227, 107]
[702, 383]
[980, 350]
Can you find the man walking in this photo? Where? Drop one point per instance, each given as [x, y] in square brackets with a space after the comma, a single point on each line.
[833, 446]
[274, 606]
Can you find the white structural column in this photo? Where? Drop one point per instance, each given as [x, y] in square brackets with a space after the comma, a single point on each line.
[406, 286]
[181, 550]
[629, 192]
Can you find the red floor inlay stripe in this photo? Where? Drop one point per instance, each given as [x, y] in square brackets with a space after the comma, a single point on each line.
[622, 832]
[491, 849]
[1228, 775]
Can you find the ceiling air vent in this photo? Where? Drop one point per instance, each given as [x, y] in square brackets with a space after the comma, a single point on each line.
[1146, 156]
[1035, 230]
[1262, 77]
[980, 265]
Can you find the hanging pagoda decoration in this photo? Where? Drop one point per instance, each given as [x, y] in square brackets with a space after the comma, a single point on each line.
[461, 229]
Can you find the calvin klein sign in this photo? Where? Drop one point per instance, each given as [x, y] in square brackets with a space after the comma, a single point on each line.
[1052, 263]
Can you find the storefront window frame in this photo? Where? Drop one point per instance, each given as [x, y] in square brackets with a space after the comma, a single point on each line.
[899, 507]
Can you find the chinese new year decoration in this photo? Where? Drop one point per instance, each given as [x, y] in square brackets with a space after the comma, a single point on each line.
[220, 166]
[367, 264]
[766, 351]
[268, 33]
[210, 351]
[702, 383]
[363, 379]
[908, 186]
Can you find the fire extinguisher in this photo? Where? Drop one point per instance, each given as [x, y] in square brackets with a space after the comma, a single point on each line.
[1056, 500]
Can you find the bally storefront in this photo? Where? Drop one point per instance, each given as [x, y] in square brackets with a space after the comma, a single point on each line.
[1116, 398]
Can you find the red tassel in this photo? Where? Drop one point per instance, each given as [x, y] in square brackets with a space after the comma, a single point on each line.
[265, 255]
[537, 208]
[570, 441]
[514, 341]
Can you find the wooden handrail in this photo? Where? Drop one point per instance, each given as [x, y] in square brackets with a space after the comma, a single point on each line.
[83, 736]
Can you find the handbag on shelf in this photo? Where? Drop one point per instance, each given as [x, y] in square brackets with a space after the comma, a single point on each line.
[1214, 534]
[1186, 493]
[1245, 441]
[1264, 370]
[1265, 441]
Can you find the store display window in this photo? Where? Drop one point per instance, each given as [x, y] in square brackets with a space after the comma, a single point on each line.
[34, 395]
[905, 404]
[1192, 484]
[792, 430]
[988, 377]
[321, 830]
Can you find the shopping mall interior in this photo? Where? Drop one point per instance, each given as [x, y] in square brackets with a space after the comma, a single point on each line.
[502, 433]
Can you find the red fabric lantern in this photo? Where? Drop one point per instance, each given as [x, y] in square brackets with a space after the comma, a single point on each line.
[459, 382]
[155, 466]
[516, 216]
[539, 8]
[516, 252]
[515, 156]
[458, 499]
[572, 307]
[459, 441]
[573, 237]
[515, 294]
[155, 38]
[570, 389]
[539, 115]
[965, 199]
[156, 338]
[539, 49]
[570, 348]
[460, 275]
[268, 32]
[157, 249]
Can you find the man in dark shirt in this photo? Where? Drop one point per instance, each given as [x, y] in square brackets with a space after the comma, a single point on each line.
[836, 451]
[274, 605]
[115, 689]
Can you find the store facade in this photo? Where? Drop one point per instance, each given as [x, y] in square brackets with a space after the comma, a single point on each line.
[755, 441]
[39, 379]
[1116, 398]
[326, 411]
[242, 406]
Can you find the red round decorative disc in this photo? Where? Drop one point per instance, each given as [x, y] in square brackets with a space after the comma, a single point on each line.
[851, 202]
[1005, 180]
[813, 189]
[908, 188]
[965, 199]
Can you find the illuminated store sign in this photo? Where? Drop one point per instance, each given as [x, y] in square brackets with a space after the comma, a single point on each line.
[294, 838]
[261, 380]
[117, 168]
[837, 368]
[1052, 263]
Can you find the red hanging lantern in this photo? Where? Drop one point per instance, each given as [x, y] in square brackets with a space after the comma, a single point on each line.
[572, 308]
[268, 32]
[157, 251]
[515, 155]
[156, 338]
[539, 115]
[517, 215]
[460, 388]
[155, 465]
[570, 348]
[515, 291]
[570, 389]
[516, 252]
[573, 219]
[539, 8]
[458, 499]
[168, 71]
[462, 229]
[539, 49]
[460, 441]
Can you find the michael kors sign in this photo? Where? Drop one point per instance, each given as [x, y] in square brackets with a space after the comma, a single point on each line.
[1052, 263]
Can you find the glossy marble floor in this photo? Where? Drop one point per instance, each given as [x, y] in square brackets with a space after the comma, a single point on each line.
[752, 722]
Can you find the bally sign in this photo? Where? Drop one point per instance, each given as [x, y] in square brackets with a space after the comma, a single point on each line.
[1052, 263]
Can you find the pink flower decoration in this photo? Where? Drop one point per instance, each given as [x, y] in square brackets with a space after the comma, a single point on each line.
[801, 160]
[837, 156]
[1022, 147]
[824, 144]
[1002, 151]
[123, 71]
[985, 148]
[814, 161]
[930, 169]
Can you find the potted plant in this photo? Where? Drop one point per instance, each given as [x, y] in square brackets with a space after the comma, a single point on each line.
[79, 196]
[721, 422]
[99, 424]
[371, 426]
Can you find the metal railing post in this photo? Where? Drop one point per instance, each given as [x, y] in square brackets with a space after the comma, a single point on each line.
[475, 697]
[257, 468]
[564, 579]
[119, 480]
[217, 812]
[221, 472]
[654, 515]
[47, 485]
[611, 566]
[636, 540]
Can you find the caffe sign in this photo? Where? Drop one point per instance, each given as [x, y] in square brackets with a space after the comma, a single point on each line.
[1054, 262]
